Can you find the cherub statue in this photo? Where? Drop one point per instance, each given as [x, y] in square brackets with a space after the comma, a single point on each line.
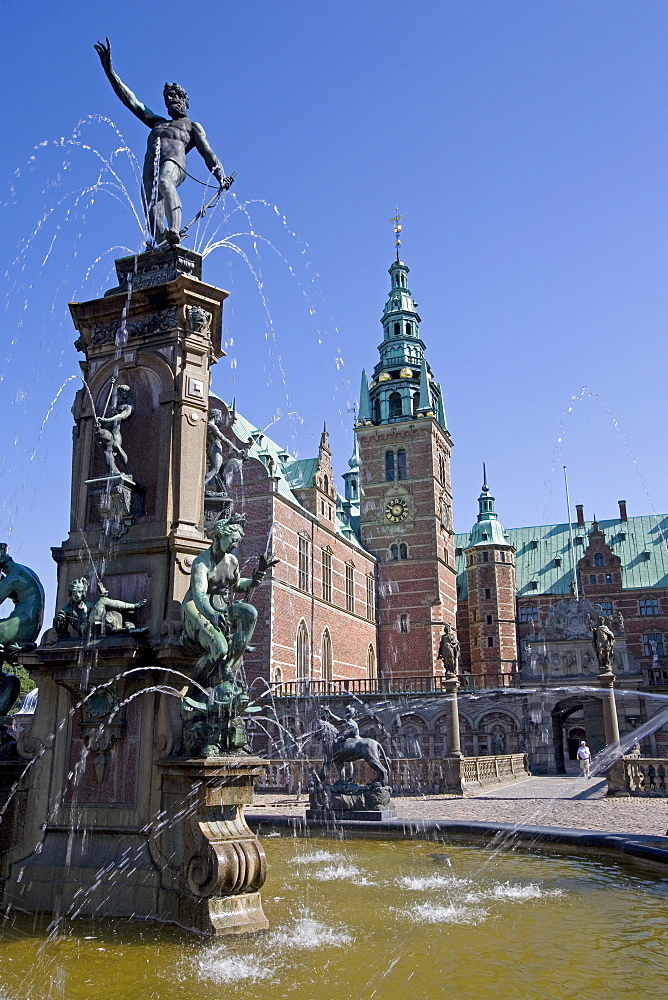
[71, 622]
[104, 614]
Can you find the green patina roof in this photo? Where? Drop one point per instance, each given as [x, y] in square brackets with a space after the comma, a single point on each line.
[292, 474]
[487, 532]
[537, 562]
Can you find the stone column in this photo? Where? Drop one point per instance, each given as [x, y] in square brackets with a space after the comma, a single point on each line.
[451, 683]
[607, 680]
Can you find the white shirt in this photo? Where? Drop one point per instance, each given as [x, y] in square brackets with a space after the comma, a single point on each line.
[584, 753]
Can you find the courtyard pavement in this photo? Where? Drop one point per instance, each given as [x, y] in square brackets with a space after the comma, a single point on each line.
[563, 801]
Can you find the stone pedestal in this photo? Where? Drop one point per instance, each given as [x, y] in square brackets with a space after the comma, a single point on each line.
[451, 683]
[214, 864]
[607, 681]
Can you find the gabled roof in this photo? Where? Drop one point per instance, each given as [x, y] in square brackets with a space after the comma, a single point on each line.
[538, 547]
[292, 473]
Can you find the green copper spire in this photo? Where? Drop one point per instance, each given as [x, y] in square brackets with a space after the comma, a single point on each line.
[352, 480]
[487, 530]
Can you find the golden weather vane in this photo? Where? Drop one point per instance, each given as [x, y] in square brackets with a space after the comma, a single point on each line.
[396, 219]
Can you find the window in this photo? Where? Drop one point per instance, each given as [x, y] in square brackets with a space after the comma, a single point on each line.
[474, 615]
[608, 577]
[326, 481]
[403, 623]
[533, 585]
[396, 405]
[458, 552]
[598, 559]
[648, 606]
[488, 593]
[327, 575]
[647, 644]
[326, 659]
[397, 329]
[502, 556]
[302, 652]
[557, 561]
[371, 663]
[485, 557]
[606, 608]
[416, 403]
[409, 330]
[389, 466]
[303, 567]
[350, 583]
[353, 489]
[370, 599]
[534, 543]
[490, 640]
[394, 552]
[488, 619]
[376, 411]
[401, 464]
[441, 467]
[579, 540]
[403, 551]
[529, 614]
[592, 578]
[475, 640]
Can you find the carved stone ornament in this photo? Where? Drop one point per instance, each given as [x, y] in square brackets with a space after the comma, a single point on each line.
[198, 319]
[160, 321]
[570, 620]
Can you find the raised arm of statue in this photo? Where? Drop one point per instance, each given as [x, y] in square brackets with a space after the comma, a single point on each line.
[124, 93]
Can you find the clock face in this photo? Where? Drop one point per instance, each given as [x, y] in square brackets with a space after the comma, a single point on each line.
[396, 509]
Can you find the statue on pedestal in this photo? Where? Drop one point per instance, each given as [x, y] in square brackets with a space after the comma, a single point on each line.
[165, 161]
[108, 432]
[223, 628]
[71, 622]
[449, 649]
[604, 643]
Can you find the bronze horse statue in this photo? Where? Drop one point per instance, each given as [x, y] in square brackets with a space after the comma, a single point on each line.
[341, 754]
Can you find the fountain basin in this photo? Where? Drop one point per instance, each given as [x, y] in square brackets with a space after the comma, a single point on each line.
[377, 917]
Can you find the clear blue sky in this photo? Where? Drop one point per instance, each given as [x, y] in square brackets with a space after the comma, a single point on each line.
[525, 144]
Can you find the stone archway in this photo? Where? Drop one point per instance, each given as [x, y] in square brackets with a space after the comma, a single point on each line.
[577, 714]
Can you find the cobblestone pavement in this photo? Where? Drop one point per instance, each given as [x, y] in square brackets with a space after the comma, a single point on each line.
[556, 801]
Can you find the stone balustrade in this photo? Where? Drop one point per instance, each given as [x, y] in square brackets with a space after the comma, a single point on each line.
[638, 776]
[409, 776]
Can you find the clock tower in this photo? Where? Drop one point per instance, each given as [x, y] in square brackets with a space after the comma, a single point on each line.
[405, 492]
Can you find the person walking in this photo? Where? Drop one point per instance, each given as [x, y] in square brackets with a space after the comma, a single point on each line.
[584, 756]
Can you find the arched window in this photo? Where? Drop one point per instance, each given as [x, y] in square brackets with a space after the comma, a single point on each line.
[403, 551]
[396, 405]
[598, 559]
[401, 464]
[371, 663]
[277, 675]
[394, 552]
[389, 466]
[397, 329]
[409, 329]
[302, 652]
[326, 659]
[376, 411]
[353, 489]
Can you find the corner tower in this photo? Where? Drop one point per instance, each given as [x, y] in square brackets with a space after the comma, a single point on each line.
[405, 491]
[490, 575]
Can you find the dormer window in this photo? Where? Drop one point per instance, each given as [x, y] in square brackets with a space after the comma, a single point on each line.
[557, 561]
[534, 543]
[579, 540]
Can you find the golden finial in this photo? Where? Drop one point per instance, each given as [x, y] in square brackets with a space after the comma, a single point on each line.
[396, 219]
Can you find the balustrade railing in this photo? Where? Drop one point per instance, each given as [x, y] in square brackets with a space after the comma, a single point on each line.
[639, 776]
[408, 775]
[388, 685]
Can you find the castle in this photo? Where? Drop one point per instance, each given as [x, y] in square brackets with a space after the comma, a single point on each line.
[368, 579]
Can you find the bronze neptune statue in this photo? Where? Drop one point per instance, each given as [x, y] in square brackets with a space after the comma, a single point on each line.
[169, 141]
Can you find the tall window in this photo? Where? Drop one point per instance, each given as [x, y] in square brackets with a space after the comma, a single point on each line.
[302, 652]
[648, 606]
[598, 559]
[327, 575]
[303, 566]
[389, 466]
[651, 641]
[416, 403]
[403, 550]
[396, 405]
[397, 329]
[376, 411]
[441, 467]
[403, 623]
[370, 598]
[326, 658]
[401, 464]
[326, 483]
[350, 587]
[371, 663]
[409, 330]
[606, 608]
